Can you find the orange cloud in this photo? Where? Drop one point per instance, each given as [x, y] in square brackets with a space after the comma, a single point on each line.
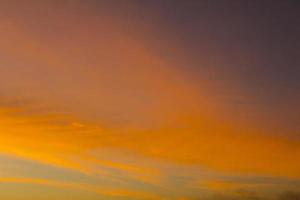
[79, 186]
[94, 82]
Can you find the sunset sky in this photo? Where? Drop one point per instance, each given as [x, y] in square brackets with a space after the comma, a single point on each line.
[149, 100]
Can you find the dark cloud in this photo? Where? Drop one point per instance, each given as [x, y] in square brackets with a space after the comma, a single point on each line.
[289, 195]
[249, 195]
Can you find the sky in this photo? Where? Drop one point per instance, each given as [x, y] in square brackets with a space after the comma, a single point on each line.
[149, 100]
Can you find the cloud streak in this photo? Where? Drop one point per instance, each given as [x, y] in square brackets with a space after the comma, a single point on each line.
[146, 100]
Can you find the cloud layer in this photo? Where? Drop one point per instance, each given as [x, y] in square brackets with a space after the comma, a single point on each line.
[145, 100]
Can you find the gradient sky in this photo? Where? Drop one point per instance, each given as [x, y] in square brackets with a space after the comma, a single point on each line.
[148, 100]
